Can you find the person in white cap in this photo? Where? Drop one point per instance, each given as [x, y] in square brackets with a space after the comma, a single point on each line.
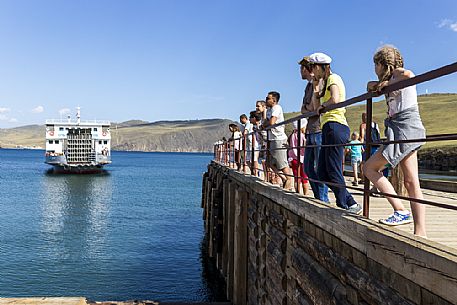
[313, 134]
[329, 90]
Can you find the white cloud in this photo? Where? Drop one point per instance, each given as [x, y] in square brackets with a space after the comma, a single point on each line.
[449, 24]
[13, 120]
[64, 111]
[4, 110]
[445, 22]
[38, 109]
[453, 27]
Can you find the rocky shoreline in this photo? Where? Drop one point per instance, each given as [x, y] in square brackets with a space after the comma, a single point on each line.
[439, 159]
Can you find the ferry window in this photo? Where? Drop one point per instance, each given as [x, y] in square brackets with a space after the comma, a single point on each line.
[95, 129]
[50, 141]
[61, 128]
[56, 142]
[99, 142]
[105, 142]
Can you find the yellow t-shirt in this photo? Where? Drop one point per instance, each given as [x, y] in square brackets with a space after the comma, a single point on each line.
[335, 115]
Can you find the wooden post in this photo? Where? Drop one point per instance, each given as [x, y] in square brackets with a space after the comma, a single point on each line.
[226, 204]
[240, 248]
[230, 231]
[366, 184]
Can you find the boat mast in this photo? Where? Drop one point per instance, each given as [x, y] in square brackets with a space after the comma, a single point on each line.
[78, 115]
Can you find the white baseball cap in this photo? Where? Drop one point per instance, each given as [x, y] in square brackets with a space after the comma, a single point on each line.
[319, 58]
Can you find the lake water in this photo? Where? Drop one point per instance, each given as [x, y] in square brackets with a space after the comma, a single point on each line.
[135, 232]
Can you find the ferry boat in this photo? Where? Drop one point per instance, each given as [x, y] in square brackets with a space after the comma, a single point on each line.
[78, 146]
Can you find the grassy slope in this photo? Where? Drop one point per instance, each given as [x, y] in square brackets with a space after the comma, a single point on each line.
[438, 113]
[137, 135]
[30, 135]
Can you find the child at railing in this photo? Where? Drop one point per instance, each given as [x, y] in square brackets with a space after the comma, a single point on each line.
[355, 150]
[329, 89]
[301, 184]
[403, 122]
[254, 141]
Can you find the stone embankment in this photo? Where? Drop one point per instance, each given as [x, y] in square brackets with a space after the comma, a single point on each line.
[438, 159]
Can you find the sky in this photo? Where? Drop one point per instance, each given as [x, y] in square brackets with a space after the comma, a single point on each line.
[196, 59]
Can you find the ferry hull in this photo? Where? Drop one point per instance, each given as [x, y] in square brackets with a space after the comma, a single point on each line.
[61, 166]
[77, 169]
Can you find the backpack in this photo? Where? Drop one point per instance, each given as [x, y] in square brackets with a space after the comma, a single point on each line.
[375, 135]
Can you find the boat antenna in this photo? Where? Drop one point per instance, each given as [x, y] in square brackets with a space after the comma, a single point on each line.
[78, 115]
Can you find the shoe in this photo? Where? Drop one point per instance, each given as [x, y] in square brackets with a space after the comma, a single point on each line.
[355, 183]
[374, 189]
[355, 209]
[397, 219]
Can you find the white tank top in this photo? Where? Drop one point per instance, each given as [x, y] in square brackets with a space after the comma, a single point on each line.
[402, 99]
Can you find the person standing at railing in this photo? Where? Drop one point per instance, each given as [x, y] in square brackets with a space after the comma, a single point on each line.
[403, 123]
[246, 127]
[295, 162]
[261, 108]
[235, 141]
[313, 134]
[375, 138]
[253, 141]
[355, 149]
[278, 140]
[329, 89]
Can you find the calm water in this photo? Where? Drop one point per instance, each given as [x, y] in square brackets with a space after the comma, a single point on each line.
[133, 233]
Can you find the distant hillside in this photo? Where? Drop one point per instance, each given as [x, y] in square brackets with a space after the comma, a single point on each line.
[27, 136]
[136, 135]
[175, 136]
[438, 113]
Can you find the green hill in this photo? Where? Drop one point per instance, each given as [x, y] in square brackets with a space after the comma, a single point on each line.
[136, 135]
[438, 113]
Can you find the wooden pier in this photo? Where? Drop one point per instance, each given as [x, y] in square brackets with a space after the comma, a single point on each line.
[277, 247]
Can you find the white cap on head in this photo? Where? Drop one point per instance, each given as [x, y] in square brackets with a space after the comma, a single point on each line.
[320, 58]
[303, 123]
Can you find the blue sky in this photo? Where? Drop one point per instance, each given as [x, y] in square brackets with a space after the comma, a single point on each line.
[182, 59]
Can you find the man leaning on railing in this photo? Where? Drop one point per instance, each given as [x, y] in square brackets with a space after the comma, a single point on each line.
[278, 140]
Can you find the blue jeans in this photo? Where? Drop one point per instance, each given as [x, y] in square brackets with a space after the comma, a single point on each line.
[330, 167]
[320, 190]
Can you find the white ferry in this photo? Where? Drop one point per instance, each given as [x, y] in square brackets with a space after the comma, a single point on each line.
[78, 146]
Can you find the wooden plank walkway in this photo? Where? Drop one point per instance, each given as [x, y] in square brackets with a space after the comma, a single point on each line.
[441, 224]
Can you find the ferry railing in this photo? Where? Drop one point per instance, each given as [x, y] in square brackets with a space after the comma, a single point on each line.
[82, 122]
[368, 98]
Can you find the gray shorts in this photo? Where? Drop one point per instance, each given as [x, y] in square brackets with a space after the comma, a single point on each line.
[278, 156]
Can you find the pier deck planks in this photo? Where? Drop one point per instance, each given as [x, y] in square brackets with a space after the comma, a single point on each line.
[441, 224]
